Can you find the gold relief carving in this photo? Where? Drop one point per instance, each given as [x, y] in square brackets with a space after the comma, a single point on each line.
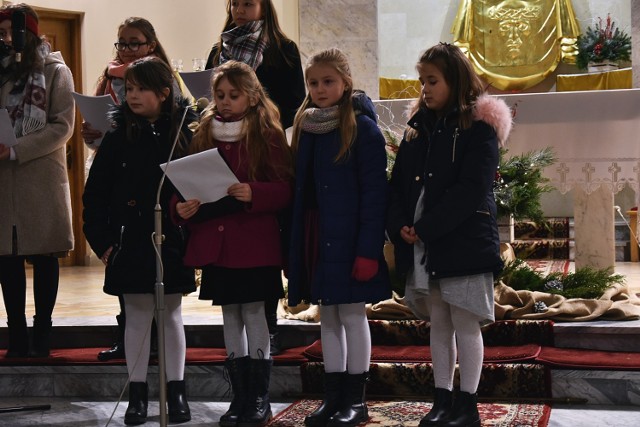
[515, 44]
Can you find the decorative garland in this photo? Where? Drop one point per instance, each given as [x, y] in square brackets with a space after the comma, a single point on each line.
[586, 282]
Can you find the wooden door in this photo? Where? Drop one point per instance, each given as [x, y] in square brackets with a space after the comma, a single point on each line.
[62, 31]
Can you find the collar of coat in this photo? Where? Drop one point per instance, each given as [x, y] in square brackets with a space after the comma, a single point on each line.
[487, 108]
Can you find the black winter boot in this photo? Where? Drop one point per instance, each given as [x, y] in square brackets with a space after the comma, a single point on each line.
[117, 349]
[18, 338]
[275, 346]
[333, 383]
[464, 413]
[237, 370]
[41, 342]
[177, 402]
[257, 410]
[354, 407]
[441, 409]
[138, 403]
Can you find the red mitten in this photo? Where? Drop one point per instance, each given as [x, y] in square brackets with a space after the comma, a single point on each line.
[364, 269]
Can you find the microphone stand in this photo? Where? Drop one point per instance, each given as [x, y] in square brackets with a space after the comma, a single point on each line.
[158, 237]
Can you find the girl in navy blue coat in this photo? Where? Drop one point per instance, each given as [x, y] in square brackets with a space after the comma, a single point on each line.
[442, 221]
[337, 231]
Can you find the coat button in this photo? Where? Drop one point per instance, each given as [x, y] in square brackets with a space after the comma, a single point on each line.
[415, 124]
[430, 175]
[328, 244]
[131, 203]
[228, 146]
[433, 273]
[418, 178]
[221, 228]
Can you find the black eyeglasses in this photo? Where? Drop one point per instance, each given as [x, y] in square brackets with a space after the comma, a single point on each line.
[133, 46]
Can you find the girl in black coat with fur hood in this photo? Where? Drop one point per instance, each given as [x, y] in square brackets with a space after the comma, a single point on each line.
[442, 221]
[119, 201]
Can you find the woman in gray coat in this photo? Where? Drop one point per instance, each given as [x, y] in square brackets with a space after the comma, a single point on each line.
[35, 203]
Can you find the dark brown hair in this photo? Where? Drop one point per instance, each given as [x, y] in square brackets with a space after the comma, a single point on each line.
[462, 79]
[145, 27]
[153, 74]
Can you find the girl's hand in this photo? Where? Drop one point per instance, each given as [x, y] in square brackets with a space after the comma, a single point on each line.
[187, 209]
[105, 256]
[241, 191]
[89, 134]
[5, 152]
[408, 234]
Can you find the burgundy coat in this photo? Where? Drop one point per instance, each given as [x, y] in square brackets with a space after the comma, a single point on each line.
[249, 236]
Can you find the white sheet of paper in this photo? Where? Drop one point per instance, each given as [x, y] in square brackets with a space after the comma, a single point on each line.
[8, 138]
[198, 83]
[94, 110]
[204, 176]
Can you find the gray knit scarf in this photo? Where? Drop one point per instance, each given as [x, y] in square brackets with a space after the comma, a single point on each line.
[320, 120]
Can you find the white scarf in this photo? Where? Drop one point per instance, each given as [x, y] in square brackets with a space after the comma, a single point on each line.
[226, 131]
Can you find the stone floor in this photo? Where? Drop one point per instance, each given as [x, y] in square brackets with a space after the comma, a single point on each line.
[89, 413]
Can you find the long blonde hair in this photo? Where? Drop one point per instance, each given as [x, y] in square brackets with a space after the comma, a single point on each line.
[463, 82]
[261, 124]
[346, 116]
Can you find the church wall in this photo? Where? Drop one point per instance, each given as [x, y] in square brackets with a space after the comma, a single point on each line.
[186, 28]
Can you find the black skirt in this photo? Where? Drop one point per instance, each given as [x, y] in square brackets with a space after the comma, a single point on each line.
[225, 286]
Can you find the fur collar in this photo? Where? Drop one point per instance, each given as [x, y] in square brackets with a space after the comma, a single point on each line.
[116, 113]
[496, 113]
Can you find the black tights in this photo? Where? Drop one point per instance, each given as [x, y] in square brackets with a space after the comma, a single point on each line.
[46, 274]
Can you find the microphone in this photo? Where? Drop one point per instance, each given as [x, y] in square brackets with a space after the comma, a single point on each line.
[18, 33]
[201, 104]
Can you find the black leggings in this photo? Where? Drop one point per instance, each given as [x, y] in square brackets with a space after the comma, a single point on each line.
[46, 273]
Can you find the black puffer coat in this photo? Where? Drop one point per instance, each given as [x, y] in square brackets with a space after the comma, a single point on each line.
[457, 168]
[119, 201]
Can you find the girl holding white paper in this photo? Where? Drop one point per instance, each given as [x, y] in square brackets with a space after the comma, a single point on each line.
[238, 245]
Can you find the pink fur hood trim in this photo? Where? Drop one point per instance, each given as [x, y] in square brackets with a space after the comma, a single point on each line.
[496, 113]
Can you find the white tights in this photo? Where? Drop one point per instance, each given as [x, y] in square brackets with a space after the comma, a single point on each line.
[451, 324]
[140, 309]
[346, 339]
[245, 330]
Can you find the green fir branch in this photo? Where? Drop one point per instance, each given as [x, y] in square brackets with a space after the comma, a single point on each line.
[585, 283]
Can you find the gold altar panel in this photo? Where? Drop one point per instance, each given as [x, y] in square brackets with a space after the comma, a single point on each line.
[516, 44]
[616, 79]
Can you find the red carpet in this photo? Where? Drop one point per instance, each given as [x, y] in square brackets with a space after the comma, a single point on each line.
[195, 356]
[409, 413]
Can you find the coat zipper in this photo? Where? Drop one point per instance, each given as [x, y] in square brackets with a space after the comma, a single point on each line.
[455, 139]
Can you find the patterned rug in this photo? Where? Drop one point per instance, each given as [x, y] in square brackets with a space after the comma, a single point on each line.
[409, 413]
[546, 266]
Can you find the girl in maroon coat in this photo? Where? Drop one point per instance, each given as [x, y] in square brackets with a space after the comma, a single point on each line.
[236, 240]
